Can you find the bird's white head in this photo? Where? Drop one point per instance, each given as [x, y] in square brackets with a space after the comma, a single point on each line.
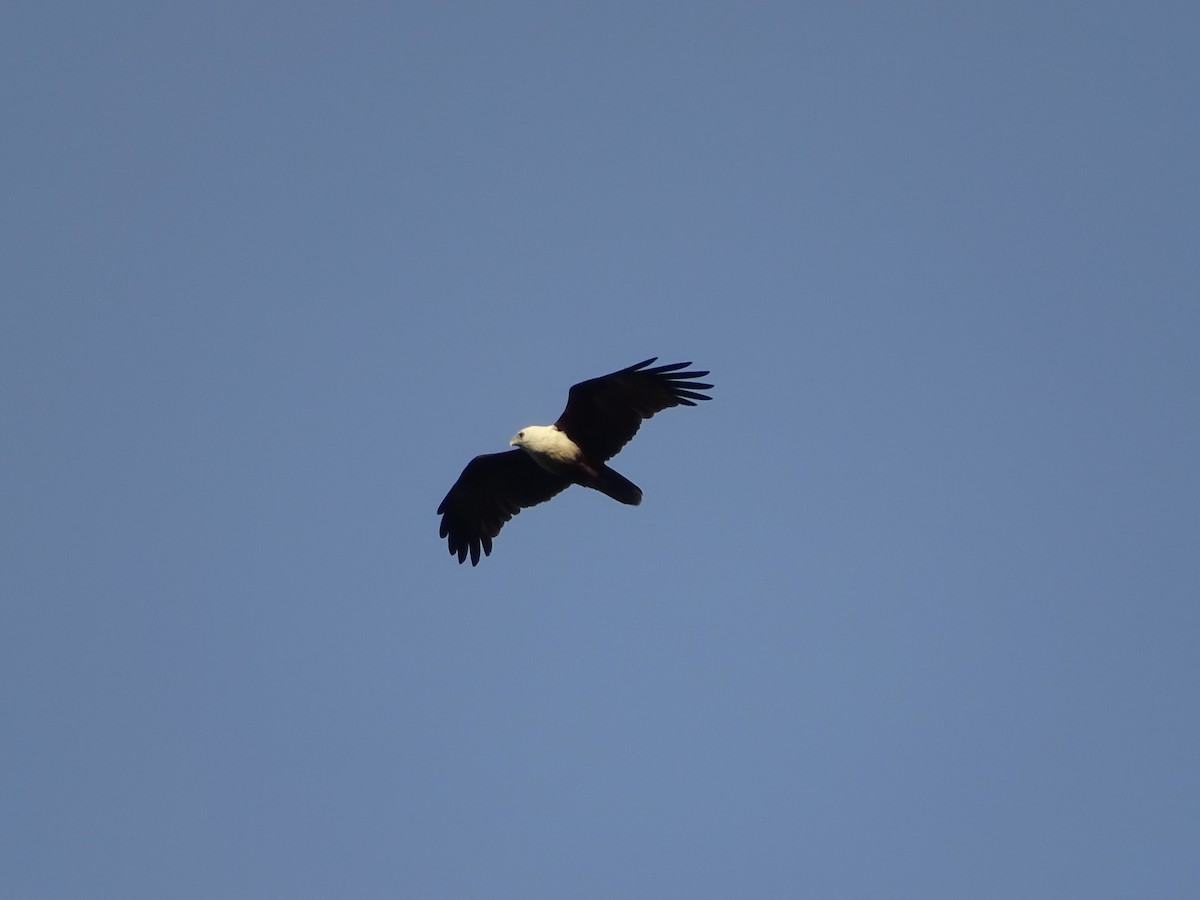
[530, 436]
[545, 441]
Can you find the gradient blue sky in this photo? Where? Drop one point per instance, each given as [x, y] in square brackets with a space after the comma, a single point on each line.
[910, 609]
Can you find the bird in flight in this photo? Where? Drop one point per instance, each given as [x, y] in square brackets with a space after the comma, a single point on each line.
[602, 415]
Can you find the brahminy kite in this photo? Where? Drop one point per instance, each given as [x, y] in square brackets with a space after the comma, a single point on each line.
[602, 415]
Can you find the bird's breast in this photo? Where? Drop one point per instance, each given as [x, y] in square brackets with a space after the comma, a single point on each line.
[554, 452]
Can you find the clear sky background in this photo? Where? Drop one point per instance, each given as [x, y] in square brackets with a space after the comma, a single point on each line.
[910, 608]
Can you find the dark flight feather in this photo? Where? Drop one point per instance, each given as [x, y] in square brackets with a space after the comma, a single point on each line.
[603, 414]
[491, 490]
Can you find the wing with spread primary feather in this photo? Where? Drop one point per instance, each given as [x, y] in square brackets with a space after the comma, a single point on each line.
[491, 490]
[604, 413]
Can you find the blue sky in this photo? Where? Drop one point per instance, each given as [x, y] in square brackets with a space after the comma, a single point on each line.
[910, 608]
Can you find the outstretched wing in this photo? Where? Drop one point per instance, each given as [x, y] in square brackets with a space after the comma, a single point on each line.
[604, 413]
[491, 490]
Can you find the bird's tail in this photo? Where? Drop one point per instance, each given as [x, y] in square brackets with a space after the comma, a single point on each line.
[617, 486]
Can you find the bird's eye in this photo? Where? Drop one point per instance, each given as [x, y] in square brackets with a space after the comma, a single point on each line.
[520, 434]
